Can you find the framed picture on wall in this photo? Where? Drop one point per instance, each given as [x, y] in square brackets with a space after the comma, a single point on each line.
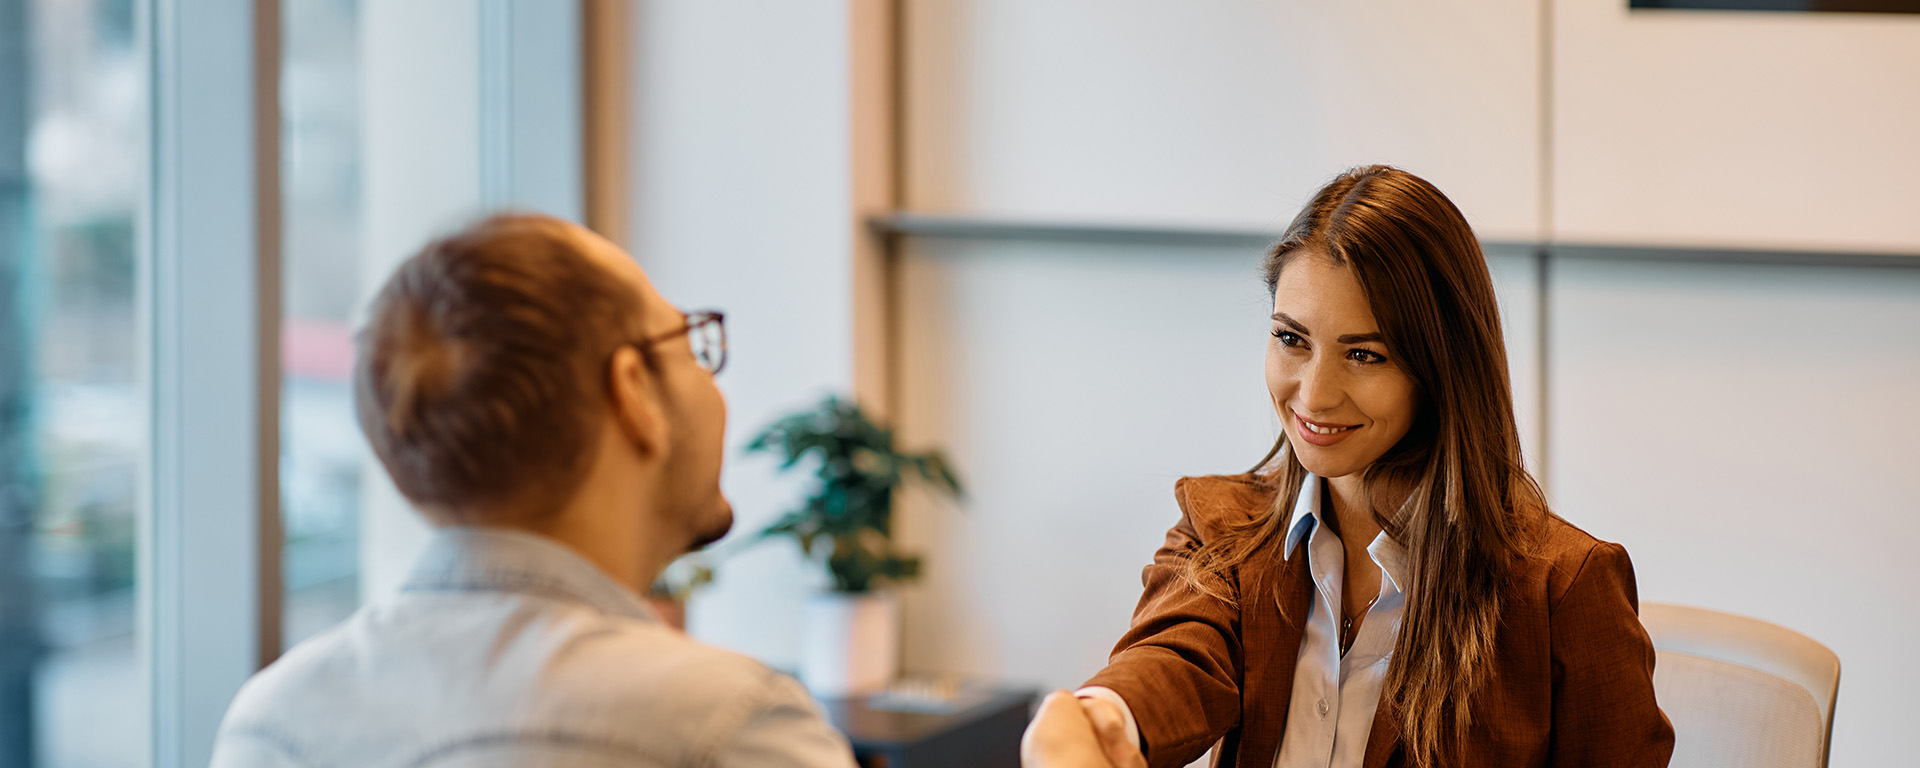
[1810, 6]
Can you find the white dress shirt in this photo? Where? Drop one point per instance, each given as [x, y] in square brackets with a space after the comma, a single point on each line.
[1334, 697]
[508, 649]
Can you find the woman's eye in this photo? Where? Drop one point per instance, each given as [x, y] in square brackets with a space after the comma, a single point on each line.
[1289, 338]
[1366, 356]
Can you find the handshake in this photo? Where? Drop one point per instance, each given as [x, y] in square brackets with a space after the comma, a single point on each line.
[1071, 732]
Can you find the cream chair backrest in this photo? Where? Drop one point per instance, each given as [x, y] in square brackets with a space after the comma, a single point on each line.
[1741, 691]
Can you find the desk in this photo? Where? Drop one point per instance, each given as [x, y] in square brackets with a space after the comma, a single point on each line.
[984, 735]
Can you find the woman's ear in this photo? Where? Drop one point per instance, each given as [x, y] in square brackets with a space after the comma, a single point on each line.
[634, 402]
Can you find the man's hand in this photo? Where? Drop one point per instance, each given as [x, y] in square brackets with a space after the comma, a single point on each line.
[1110, 727]
[1077, 733]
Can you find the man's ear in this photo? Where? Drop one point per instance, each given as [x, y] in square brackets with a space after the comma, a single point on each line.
[634, 399]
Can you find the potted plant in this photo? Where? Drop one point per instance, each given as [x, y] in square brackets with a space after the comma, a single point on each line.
[846, 523]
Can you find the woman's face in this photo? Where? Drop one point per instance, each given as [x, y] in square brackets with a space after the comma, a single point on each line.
[1335, 384]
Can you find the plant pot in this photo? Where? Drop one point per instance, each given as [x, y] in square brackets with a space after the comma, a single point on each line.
[852, 644]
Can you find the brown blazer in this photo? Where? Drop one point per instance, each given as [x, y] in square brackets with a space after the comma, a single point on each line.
[1573, 675]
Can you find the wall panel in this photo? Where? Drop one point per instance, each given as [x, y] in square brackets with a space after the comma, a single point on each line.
[1227, 114]
[1750, 434]
[1735, 130]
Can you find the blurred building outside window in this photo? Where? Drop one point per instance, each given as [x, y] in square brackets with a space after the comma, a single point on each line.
[73, 410]
[391, 130]
[322, 453]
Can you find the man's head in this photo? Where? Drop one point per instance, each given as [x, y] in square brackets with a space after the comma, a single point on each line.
[505, 377]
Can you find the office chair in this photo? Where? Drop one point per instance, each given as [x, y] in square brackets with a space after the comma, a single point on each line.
[1741, 691]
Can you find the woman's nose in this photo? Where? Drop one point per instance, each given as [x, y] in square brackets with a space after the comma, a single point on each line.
[1321, 386]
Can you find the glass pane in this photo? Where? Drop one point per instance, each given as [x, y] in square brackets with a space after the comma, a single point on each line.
[322, 453]
[73, 92]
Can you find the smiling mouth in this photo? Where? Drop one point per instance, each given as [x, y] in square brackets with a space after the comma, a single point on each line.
[1324, 429]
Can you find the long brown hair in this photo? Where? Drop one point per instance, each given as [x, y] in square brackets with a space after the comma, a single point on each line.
[1472, 507]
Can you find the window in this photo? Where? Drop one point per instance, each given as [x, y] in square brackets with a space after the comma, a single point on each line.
[322, 455]
[137, 480]
[73, 102]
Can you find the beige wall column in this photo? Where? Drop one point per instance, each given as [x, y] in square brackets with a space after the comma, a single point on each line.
[874, 134]
[609, 118]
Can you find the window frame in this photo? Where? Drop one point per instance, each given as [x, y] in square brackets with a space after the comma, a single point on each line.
[210, 298]
[210, 281]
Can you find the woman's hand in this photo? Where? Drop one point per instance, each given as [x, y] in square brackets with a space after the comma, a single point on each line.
[1068, 732]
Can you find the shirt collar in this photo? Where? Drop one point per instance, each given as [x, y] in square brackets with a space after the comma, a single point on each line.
[1392, 559]
[481, 559]
[1306, 512]
[1387, 553]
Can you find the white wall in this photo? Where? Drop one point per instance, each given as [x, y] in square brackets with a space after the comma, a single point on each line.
[741, 202]
[1074, 383]
[1751, 435]
[1071, 385]
[1746, 431]
[1217, 113]
[1770, 130]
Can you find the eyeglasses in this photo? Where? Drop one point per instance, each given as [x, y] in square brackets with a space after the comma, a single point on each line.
[706, 332]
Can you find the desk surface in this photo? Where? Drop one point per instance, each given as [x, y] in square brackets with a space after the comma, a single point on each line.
[985, 732]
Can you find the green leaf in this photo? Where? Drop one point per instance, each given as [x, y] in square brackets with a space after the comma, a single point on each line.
[851, 500]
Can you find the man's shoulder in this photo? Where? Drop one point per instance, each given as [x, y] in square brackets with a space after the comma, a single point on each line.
[266, 716]
[393, 675]
[566, 647]
[298, 671]
[712, 699]
[627, 657]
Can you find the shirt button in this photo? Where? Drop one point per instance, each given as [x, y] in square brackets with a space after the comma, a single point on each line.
[1324, 708]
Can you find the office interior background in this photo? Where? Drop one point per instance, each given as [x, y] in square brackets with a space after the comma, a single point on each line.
[1024, 232]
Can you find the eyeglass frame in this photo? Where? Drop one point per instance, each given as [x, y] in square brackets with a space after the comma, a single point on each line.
[694, 321]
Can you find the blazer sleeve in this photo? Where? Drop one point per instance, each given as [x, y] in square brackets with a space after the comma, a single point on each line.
[1178, 667]
[1604, 712]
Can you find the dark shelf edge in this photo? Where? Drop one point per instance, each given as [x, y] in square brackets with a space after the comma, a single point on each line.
[963, 227]
[986, 228]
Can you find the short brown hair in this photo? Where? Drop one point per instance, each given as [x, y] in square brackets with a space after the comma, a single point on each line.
[480, 375]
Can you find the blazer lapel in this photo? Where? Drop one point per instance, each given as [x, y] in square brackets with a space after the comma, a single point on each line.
[1271, 644]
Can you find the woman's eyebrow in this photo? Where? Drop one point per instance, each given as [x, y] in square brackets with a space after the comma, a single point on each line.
[1282, 317]
[1351, 338]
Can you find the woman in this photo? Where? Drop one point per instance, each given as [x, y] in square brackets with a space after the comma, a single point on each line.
[1388, 586]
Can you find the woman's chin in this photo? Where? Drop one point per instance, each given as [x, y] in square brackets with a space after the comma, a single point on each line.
[1317, 461]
